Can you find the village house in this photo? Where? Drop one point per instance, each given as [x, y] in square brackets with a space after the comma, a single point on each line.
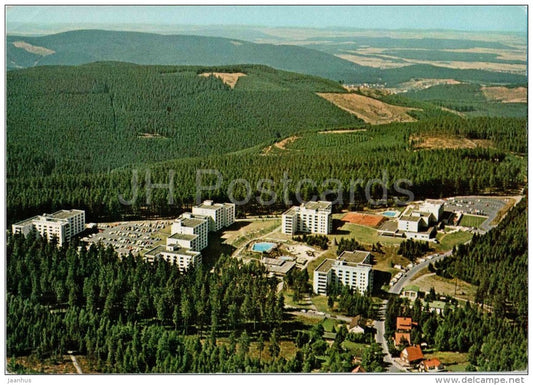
[411, 355]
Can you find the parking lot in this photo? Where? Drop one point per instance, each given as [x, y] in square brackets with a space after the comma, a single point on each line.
[128, 237]
[488, 207]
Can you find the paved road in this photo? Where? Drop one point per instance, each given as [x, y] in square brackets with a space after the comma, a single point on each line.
[76, 365]
[392, 366]
[398, 286]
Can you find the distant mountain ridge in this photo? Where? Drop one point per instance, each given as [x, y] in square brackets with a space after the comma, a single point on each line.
[86, 46]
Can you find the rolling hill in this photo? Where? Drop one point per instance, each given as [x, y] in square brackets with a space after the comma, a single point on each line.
[86, 46]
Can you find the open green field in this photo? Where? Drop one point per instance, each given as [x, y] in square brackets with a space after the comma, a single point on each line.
[356, 349]
[364, 234]
[448, 241]
[472, 220]
[453, 361]
[454, 287]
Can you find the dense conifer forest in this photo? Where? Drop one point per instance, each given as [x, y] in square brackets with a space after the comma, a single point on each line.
[75, 135]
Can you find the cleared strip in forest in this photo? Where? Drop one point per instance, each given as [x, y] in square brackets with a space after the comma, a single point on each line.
[372, 111]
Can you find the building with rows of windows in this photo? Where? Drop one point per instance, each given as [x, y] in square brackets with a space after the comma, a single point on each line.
[351, 268]
[62, 225]
[309, 217]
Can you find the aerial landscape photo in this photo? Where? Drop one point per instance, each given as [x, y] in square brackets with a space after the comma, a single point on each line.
[266, 189]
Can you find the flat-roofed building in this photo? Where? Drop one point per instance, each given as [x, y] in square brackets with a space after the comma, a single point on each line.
[63, 225]
[310, 217]
[220, 214]
[189, 225]
[279, 267]
[184, 258]
[409, 223]
[356, 274]
[434, 207]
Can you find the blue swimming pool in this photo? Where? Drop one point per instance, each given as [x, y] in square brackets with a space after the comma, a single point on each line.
[390, 214]
[263, 247]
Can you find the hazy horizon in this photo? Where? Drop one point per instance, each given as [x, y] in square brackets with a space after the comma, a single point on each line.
[166, 19]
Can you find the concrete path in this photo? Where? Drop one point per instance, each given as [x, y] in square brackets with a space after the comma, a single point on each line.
[76, 365]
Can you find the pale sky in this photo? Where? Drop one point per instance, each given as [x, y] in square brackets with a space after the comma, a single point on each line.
[464, 18]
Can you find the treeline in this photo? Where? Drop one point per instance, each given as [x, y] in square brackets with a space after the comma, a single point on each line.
[413, 250]
[497, 262]
[492, 342]
[130, 316]
[313, 240]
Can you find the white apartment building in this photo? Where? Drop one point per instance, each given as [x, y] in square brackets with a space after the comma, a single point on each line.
[190, 231]
[182, 257]
[310, 217]
[434, 207]
[63, 225]
[409, 223]
[350, 269]
[220, 214]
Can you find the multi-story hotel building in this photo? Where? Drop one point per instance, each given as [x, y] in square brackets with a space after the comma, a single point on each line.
[220, 214]
[352, 269]
[63, 225]
[174, 254]
[310, 217]
[190, 231]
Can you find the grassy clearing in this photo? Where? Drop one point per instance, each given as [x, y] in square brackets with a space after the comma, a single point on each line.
[454, 361]
[364, 235]
[321, 303]
[355, 349]
[329, 325]
[448, 241]
[456, 288]
[472, 220]
[238, 235]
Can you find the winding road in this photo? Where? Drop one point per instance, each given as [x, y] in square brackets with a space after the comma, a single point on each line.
[393, 366]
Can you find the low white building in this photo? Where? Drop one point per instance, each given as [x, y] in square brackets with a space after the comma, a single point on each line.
[311, 217]
[350, 269]
[220, 214]
[409, 223]
[434, 207]
[63, 225]
[192, 230]
[184, 258]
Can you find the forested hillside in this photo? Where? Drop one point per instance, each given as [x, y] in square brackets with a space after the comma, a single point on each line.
[102, 116]
[494, 330]
[86, 46]
[128, 316]
[497, 263]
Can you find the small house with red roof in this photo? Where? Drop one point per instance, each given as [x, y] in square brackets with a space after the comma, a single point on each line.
[404, 324]
[401, 337]
[433, 365]
[411, 355]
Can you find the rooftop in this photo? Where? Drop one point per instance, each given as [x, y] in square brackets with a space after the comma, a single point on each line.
[356, 256]
[65, 214]
[399, 336]
[319, 205]
[163, 249]
[414, 353]
[210, 205]
[404, 323]
[325, 266]
[293, 210]
[187, 237]
[410, 218]
[192, 222]
[278, 266]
